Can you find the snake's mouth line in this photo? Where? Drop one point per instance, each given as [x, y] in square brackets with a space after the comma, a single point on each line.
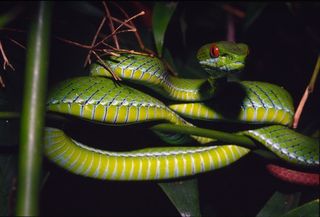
[211, 64]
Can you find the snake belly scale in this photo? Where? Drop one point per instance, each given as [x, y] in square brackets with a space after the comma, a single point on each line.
[145, 164]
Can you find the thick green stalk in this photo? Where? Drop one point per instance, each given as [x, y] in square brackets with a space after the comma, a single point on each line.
[214, 134]
[33, 111]
[240, 140]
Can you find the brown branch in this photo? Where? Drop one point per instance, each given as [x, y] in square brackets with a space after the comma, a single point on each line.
[116, 77]
[122, 24]
[234, 11]
[120, 21]
[3, 85]
[128, 51]
[306, 94]
[137, 35]
[12, 30]
[102, 48]
[5, 59]
[17, 43]
[125, 30]
[88, 61]
[115, 39]
[231, 28]
[169, 68]
[73, 43]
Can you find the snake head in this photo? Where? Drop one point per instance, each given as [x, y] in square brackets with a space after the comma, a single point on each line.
[223, 57]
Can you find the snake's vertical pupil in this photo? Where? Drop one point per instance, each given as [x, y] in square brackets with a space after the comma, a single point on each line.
[214, 51]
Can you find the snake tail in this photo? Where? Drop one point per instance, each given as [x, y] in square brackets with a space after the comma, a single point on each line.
[294, 176]
[145, 164]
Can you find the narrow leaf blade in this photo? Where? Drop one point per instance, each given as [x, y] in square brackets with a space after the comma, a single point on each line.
[308, 209]
[252, 13]
[279, 204]
[162, 13]
[184, 195]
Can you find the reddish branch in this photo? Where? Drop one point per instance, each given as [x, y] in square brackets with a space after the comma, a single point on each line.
[2, 82]
[6, 62]
[117, 29]
[5, 59]
[115, 39]
[88, 61]
[17, 43]
[306, 94]
[101, 47]
[136, 33]
[234, 11]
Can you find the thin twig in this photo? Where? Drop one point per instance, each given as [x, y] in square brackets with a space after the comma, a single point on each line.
[120, 21]
[5, 59]
[116, 77]
[115, 31]
[115, 39]
[129, 51]
[73, 43]
[306, 94]
[12, 30]
[231, 28]
[234, 11]
[3, 85]
[17, 43]
[169, 68]
[88, 61]
[124, 50]
[102, 48]
[132, 24]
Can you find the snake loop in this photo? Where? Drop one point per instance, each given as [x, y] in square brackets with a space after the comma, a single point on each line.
[99, 99]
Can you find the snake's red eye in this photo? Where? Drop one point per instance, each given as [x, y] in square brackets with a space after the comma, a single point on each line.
[214, 51]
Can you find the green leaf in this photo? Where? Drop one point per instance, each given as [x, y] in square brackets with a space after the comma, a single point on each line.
[253, 11]
[183, 27]
[279, 204]
[309, 209]
[85, 7]
[162, 13]
[169, 60]
[8, 173]
[9, 16]
[184, 195]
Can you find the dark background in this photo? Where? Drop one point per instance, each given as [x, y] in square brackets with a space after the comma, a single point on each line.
[284, 41]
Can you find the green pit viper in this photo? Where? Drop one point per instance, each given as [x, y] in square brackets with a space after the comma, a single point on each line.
[98, 98]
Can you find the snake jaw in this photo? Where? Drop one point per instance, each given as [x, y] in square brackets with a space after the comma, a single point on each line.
[231, 58]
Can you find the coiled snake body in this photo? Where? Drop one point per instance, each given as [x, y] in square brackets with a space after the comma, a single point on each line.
[100, 99]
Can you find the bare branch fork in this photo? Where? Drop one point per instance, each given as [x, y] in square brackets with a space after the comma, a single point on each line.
[5, 58]
[117, 26]
[6, 62]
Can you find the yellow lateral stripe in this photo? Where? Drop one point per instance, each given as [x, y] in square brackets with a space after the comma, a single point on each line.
[143, 165]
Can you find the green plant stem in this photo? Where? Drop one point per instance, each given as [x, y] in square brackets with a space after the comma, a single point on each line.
[9, 115]
[33, 111]
[214, 134]
[16, 115]
[240, 140]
